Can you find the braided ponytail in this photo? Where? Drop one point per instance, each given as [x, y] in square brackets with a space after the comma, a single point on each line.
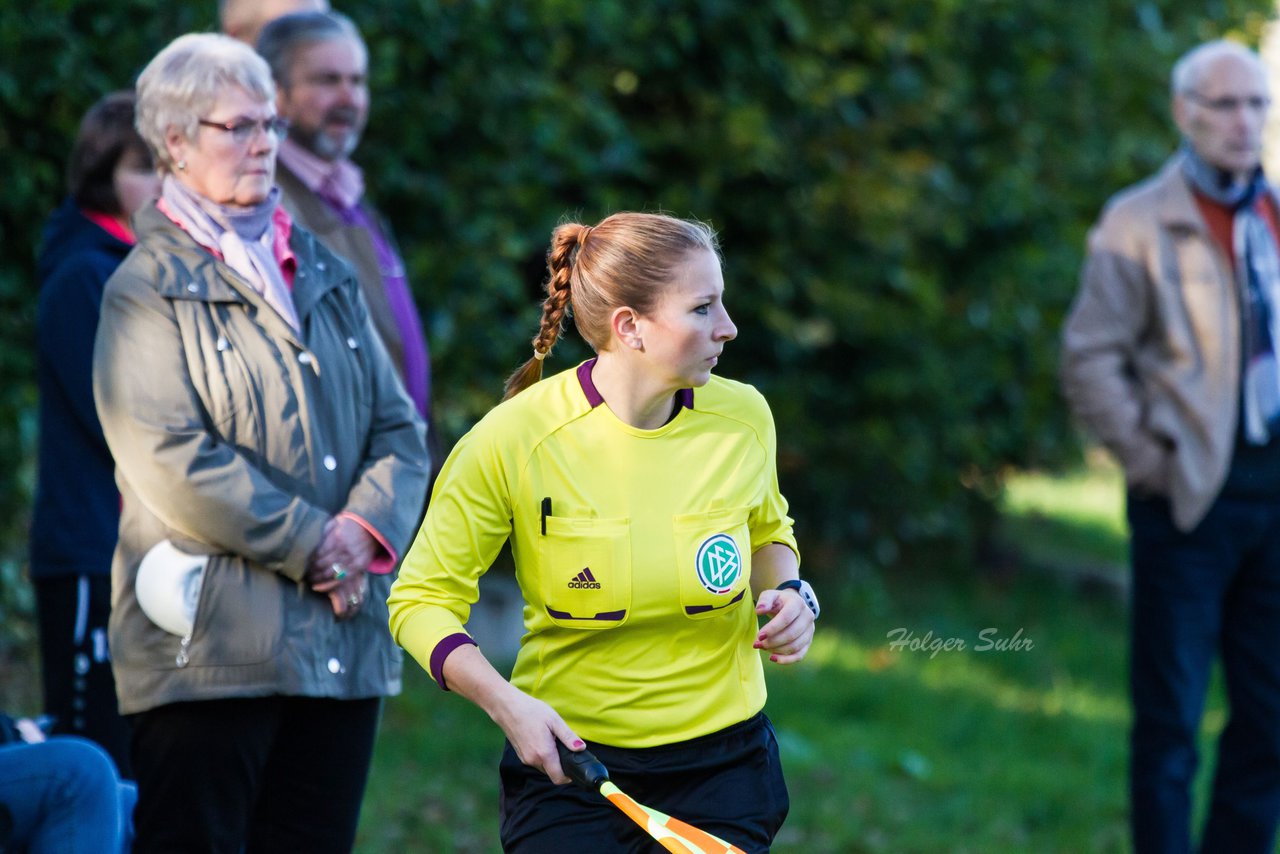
[566, 241]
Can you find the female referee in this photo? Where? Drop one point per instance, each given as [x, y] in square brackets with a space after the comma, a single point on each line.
[640, 497]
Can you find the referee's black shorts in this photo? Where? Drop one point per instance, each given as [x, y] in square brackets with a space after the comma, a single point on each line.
[728, 783]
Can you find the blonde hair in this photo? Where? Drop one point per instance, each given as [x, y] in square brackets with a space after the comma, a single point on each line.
[182, 83]
[628, 259]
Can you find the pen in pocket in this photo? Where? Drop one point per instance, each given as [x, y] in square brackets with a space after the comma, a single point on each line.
[546, 511]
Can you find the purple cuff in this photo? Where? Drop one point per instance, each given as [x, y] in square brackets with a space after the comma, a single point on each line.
[441, 652]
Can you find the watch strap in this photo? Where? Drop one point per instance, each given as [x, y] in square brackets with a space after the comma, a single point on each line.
[806, 593]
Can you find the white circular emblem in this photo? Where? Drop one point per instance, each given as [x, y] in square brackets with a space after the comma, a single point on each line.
[719, 563]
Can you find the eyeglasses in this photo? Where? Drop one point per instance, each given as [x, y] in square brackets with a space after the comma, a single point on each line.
[1230, 103]
[243, 130]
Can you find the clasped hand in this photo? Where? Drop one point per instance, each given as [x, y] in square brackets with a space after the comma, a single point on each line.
[339, 566]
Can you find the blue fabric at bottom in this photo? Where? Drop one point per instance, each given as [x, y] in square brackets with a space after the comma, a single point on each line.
[64, 796]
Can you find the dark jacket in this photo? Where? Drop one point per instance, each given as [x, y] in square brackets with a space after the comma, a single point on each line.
[355, 244]
[352, 243]
[237, 437]
[77, 507]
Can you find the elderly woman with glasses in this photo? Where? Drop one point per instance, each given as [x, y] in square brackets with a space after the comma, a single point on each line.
[271, 469]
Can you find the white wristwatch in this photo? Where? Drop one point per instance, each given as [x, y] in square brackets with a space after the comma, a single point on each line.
[806, 593]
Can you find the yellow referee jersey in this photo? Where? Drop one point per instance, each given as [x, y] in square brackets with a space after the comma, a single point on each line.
[632, 548]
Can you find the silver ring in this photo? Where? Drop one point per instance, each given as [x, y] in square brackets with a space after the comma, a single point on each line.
[339, 571]
[353, 600]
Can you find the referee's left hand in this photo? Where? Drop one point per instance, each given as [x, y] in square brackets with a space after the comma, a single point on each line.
[789, 633]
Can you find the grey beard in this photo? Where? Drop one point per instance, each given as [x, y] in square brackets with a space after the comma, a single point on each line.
[326, 147]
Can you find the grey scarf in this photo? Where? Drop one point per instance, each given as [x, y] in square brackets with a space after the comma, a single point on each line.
[1258, 279]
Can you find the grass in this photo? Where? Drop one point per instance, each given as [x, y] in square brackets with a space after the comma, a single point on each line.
[966, 750]
[1071, 522]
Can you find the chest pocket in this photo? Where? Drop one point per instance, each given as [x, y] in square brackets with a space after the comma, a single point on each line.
[231, 382]
[229, 363]
[713, 561]
[585, 566]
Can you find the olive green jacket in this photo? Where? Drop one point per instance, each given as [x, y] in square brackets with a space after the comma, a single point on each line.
[237, 437]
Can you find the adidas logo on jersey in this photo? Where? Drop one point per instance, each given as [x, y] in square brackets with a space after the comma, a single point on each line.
[584, 580]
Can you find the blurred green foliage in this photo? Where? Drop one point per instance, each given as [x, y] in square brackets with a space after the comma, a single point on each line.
[902, 192]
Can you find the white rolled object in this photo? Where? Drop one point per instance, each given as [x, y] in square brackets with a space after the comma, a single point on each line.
[168, 587]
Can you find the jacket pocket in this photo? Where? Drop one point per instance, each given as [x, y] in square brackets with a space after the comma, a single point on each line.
[713, 561]
[240, 615]
[585, 566]
[1147, 467]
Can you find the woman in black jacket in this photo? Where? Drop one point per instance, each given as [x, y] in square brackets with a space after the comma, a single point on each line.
[77, 507]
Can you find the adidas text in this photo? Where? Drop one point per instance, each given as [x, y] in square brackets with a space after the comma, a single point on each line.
[584, 580]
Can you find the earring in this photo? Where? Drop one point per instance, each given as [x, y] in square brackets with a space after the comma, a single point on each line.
[182, 166]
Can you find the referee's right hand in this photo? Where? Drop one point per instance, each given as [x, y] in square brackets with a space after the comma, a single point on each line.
[533, 728]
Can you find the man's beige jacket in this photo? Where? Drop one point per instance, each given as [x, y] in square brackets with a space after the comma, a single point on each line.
[1151, 347]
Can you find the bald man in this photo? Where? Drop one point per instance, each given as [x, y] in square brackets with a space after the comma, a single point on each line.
[1170, 358]
[244, 19]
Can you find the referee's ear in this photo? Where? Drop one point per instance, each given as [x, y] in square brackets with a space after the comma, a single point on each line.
[625, 323]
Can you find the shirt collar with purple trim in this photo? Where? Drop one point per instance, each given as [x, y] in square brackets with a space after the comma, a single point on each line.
[340, 181]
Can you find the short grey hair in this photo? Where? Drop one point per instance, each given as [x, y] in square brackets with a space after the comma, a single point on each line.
[184, 81]
[1190, 69]
[283, 37]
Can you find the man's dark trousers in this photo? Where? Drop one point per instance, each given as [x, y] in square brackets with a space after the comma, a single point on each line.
[1212, 591]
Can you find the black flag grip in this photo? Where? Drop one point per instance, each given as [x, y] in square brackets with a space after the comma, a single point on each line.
[582, 767]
